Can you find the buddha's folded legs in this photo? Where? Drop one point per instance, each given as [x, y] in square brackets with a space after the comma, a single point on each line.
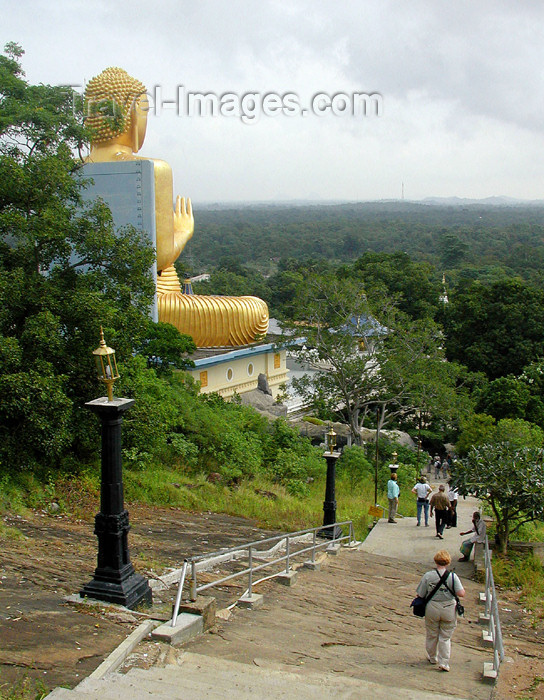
[212, 321]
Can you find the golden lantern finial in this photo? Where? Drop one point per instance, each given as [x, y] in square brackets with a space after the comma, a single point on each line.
[106, 365]
[331, 435]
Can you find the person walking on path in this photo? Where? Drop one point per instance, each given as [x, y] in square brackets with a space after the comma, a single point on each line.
[479, 530]
[445, 466]
[437, 467]
[422, 490]
[440, 505]
[453, 497]
[393, 493]
[440, 611]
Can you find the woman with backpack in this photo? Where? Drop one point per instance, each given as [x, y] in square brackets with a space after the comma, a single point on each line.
[442, 589]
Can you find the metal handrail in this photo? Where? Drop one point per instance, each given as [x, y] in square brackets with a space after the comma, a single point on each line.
[494, 632]
[250, 547]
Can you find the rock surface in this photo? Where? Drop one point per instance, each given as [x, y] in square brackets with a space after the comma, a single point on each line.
[264, 403]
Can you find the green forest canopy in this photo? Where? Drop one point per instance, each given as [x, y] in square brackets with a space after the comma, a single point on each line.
[450, 237]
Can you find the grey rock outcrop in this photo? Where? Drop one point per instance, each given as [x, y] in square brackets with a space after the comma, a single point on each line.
[264, 403]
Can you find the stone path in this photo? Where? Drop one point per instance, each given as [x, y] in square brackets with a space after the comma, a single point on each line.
[345, 631]
[413, 544]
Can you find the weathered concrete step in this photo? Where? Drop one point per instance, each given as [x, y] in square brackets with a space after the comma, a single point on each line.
[216, 679]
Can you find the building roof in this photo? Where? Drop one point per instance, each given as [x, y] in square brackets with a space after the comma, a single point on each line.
[363, 326]
[215, 356]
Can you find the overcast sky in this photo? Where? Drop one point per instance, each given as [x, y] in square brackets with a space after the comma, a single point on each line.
[461, 83]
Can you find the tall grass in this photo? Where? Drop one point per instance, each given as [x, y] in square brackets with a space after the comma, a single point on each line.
[279, 510]
[531, 532]
[522, 573]
[260, 498]
[26, 490]
[24, 689]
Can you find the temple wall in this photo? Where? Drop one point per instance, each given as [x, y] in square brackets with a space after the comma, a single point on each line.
[238, 371]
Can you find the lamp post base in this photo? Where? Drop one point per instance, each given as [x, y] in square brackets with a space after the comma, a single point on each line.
[129, 589]
[331, 532]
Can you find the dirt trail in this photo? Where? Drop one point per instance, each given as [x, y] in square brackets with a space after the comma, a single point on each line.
[44, 638]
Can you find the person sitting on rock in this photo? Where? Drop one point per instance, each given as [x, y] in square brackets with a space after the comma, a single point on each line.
[479, 530]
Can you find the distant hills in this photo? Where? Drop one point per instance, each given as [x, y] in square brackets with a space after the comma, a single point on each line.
[487, 201]
[452, 232]
[495, 201]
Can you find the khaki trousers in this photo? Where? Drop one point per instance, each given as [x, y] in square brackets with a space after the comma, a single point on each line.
[393, 505]
[440, 622]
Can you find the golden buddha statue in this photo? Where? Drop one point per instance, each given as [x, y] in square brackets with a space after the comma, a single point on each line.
[116, 109]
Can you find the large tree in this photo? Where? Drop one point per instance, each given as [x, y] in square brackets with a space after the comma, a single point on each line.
[505, 397]
[507, 478]
[366, 361]
[413, 285]
[423, 389]
[64, 271]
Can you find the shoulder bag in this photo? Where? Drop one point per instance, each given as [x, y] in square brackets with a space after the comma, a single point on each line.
[460, 609]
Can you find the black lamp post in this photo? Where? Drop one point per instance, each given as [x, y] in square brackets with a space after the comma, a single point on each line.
[115, 580]
[329, 530]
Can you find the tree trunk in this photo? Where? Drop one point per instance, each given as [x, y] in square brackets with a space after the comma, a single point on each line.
[506, 536]
[354, 426]
[355, 432]
[502, 535]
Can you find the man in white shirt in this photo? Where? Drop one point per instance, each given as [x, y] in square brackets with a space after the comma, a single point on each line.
[453, 497]
[393, 493]
[422, 490]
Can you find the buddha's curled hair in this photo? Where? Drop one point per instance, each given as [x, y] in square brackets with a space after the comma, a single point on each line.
[108, 102]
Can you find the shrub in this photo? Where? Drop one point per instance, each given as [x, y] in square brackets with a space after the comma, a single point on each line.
[290, 459]
[524, 573]
[185, 450]
[354, 466]
[289, 469]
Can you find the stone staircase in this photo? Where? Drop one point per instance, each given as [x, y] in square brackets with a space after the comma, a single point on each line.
[345, 631]
[200, 676]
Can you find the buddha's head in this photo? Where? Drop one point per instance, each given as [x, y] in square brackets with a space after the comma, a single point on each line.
[116, 108]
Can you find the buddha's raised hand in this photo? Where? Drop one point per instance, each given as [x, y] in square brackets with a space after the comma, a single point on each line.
[184, 223]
